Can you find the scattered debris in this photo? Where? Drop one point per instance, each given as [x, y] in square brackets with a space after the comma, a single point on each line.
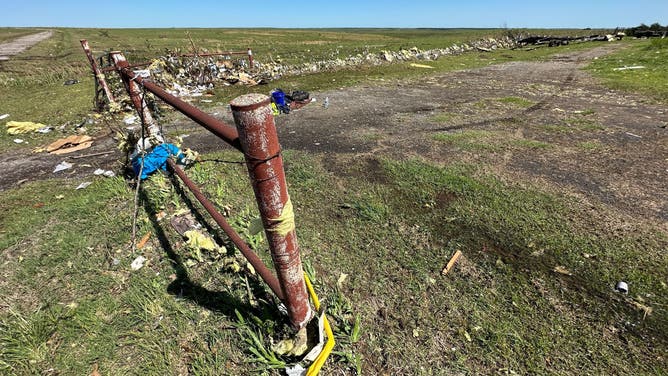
[341, 280]
[130, 119]
[647, 310]
[69, 144]
[629, 68]
[622, 287]
[18, 127]
[138, 263]
[18, 141]
[155, 160]
[83, 185]
[70, 82]
[4, 116]
[633, 135]
[62, 166]
[184, 222]
[107, 173]
[414, 65]
[197, 240]
[325, 103]
[561, 270]
[44, 130]
[143, 240]
[452, 262]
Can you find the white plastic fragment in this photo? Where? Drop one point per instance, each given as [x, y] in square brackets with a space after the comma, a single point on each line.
[138, 263]
[4, 116]
[18, 141]
[83, 185]
[62, 166]
[296, 370]
[622, 287]
[129, 120]
[107, 173]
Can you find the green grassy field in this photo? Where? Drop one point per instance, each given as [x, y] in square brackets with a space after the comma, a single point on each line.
[532, 294]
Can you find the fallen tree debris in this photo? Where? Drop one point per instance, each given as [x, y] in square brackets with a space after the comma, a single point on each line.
[452, 262]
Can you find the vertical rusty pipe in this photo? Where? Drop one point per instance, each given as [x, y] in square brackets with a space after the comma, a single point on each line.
[252, 258]
[250, 58]
[136, 94]
[259, 142]
[99, 76]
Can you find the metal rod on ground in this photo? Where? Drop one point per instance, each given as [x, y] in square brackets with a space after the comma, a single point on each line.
[99, 76]
[252, 258]
[259, 141]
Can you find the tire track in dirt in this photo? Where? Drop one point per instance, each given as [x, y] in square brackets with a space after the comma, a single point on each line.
[18, 45]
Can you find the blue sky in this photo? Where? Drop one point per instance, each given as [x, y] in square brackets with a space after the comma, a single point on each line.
[334, 13]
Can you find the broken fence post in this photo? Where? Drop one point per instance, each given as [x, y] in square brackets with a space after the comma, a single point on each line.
[136, 95]
[259, 143]
[99, 77]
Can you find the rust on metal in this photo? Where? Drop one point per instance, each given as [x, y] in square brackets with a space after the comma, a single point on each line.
[99, 77]
[132, 87]
[252, 258]
[250, 59]
[214, 125]
[259, 142]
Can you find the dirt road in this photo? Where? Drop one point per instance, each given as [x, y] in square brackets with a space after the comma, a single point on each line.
[547, 124]
[21, 44]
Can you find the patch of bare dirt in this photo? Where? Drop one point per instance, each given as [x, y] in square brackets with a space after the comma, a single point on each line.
[603, 146]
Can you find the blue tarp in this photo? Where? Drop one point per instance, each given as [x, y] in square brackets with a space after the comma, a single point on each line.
[156, 159]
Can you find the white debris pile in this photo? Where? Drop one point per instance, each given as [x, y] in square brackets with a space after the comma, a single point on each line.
[194, 76]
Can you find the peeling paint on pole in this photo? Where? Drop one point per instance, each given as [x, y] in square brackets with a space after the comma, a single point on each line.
[259, 142]
[99, 77]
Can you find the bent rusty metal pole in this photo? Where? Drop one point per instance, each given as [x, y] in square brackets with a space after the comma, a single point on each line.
[136, 94]
[252, 258]
[259, 142]
[99, 76]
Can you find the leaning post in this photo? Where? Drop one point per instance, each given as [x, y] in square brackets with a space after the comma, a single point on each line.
[99, 76]
[259, 143]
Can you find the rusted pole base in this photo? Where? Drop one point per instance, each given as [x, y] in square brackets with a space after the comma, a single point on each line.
[99, 77]
[259, 143]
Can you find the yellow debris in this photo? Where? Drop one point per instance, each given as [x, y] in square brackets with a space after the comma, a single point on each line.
[197, 240]
[17, 127]
[414, 65]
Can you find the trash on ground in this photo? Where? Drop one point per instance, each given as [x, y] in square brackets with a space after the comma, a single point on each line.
[70, 82]
[197, 240]
[155, 160]
[629, 68]
[69, 144]
[325, 104]
[138, 263]
[62, 166]
[4, 116]
[46, 129]
[296, 370]
[414, 65]
[130, 119]
[143, 240]
[622, 287]
[107, 173]
[341, 280]
[561, 270]
[633, 135]
[18, 141]
[647, 310]
[83, 185]
[184, 222]
[452, 262]
[18, 127]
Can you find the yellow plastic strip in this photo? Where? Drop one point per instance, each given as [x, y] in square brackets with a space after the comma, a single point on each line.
[314, 369]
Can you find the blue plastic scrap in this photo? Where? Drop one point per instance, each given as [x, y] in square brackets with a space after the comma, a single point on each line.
[156, 159]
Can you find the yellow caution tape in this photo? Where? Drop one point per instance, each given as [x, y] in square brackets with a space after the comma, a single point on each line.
[285, 222]
[314, 369]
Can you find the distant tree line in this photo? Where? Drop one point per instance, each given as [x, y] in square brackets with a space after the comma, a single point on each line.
[653, 30]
